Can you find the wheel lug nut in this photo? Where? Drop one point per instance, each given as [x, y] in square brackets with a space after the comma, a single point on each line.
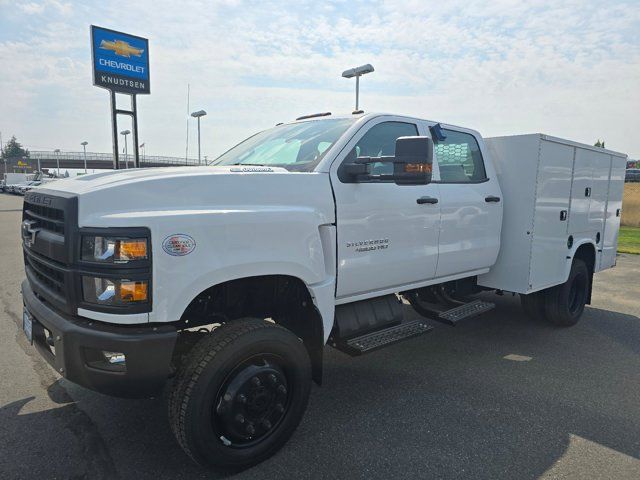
[241, 398]
[282, 389]
[250, 429]
[279, 408]
[266, 424]
[240, 418]
[273, 379]
[256, 382]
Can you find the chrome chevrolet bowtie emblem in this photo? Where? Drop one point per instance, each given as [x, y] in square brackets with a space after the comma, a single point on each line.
[29, 232]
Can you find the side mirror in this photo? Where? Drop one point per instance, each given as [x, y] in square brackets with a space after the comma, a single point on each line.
[412, 164]
[413, 161]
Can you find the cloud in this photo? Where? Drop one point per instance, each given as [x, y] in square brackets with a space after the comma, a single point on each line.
[570, 69]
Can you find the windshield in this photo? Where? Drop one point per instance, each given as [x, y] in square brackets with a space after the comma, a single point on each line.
[296, 146]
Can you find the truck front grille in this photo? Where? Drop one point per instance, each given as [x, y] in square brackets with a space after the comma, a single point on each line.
[46, 218]
[51, 277]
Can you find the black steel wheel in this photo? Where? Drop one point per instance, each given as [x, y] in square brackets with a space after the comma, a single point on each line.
[240, 394]
[252, 401]
[565, 303]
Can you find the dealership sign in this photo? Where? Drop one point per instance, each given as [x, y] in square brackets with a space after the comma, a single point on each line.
[120, 61]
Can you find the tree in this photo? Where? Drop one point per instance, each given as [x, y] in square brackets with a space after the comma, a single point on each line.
[14, 149]
[599, 143]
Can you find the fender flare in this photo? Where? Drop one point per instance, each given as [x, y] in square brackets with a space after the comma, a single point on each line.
[572, 254]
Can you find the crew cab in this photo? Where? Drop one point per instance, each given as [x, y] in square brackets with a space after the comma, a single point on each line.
[225, 282]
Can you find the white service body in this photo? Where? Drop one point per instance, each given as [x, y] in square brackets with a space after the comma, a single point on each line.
[541, 177]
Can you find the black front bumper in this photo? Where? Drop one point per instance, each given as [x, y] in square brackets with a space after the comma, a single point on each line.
[72, 345]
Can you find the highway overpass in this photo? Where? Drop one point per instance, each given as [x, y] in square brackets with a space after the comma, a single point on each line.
[41, 159]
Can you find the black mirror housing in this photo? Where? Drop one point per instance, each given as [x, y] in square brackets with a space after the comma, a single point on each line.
[413, 161]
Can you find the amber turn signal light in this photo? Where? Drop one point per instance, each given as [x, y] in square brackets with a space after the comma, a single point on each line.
[417, 168]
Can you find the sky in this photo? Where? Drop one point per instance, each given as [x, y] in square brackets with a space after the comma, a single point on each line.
[566, 68]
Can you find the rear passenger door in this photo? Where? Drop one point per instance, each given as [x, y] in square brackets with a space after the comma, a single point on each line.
[470, 205]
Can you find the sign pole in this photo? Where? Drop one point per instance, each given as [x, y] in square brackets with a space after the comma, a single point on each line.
[121, 64]
[134, 110]
[114, 127]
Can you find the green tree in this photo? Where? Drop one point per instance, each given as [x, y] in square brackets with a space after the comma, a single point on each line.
[14, 149]
[599, 143]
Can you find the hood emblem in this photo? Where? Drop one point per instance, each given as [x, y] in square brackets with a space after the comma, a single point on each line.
[29, 232]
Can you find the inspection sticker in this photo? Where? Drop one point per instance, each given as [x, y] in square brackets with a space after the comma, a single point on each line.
[179, 244]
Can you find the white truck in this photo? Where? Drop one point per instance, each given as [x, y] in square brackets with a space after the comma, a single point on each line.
[230, 279]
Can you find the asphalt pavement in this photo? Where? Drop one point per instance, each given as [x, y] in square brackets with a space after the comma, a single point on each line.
[496, 397]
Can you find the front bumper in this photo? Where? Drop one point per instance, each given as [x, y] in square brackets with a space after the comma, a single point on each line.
[72, 344]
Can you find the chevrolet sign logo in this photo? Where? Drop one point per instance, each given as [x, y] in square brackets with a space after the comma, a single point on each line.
[121, 48]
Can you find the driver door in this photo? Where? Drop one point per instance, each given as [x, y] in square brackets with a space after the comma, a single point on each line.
[386, 239]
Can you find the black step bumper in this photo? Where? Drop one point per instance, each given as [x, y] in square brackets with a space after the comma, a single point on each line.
[74, 346]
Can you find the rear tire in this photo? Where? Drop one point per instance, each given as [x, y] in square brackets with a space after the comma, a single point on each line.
[240, 394]
[564, 304]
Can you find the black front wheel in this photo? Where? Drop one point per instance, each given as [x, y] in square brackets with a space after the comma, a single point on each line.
[240, 394]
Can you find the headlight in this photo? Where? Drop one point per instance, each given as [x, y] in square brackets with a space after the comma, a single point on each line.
[114, 250]
[107, 291]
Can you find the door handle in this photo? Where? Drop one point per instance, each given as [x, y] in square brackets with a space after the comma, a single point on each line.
[491, 198]
[422, 200]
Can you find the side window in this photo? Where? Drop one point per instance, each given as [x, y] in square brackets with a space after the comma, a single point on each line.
[379, 141]
[459, 158]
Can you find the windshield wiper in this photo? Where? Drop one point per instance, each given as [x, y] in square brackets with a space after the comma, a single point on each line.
[249, 164]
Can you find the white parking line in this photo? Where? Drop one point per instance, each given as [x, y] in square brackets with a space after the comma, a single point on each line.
[517, 358]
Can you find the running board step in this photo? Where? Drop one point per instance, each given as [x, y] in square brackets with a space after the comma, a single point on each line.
[468, 310]
[382, 338]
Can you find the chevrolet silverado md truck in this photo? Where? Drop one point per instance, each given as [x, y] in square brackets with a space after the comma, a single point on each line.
[227, 281]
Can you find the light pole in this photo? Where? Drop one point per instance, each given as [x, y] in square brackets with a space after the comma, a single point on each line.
[198, 114]
[126, 158]
[57, 152]
[142, 147]
[84, 147]
[358, 72]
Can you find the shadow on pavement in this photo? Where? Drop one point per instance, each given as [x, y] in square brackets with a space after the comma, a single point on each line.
[444, 405]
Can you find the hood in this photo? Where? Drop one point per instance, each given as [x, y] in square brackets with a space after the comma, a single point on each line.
[132, 197]
[96, 181]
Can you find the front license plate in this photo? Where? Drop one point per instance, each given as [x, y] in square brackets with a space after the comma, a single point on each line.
[27, 325]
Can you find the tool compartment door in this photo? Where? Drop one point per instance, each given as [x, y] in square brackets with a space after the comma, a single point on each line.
[612, 216]
[581, 190]
[549, 249]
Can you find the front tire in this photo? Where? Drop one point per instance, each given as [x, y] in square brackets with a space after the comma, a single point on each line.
[240, 394]
[565, 303]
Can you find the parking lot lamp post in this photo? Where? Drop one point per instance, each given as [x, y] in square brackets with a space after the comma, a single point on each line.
[198, 114]
[84, 147]
[358, 72]
[126, 157]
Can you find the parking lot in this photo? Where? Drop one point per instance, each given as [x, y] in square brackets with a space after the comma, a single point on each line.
[563, 404]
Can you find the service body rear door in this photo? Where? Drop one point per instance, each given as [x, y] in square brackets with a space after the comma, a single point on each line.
[386, 239]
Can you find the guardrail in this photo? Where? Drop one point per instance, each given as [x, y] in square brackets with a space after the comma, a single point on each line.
[108, 158]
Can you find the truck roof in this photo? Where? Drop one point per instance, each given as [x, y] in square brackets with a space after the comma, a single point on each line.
[367, 116]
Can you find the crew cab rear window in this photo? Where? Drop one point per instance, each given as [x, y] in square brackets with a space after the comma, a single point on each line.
[459, 158]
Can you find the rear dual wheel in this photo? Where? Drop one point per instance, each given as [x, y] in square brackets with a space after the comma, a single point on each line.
[240, 394]
[564, 304]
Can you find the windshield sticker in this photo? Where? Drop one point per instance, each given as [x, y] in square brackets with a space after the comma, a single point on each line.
[179, 245]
